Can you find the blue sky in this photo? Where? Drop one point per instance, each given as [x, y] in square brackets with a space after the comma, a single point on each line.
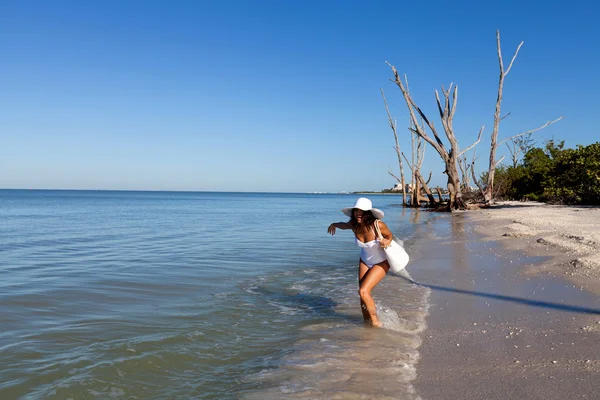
[273, 95]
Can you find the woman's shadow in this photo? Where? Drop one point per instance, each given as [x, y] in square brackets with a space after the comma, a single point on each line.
[534, 303]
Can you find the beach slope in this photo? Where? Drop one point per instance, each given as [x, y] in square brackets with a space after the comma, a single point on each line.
[515, 306]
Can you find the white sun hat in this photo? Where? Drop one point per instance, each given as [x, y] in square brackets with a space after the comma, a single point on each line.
[363, 204]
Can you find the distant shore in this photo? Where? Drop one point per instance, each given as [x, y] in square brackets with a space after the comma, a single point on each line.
[515, 303]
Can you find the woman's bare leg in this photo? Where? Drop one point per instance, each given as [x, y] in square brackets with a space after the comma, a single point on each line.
[368, 281]
[362, 270]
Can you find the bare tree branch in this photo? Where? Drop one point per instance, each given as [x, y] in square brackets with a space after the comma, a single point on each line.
[454, 102]
[393, 125]
[408, 162]
[531, 131]
[499, 161]
[489, 190]
[437, 144]
[514, 153]
[474, 144]
[429, 124]
[464, 170]
[426, 188]
[481, 190]
[500, 53]
[392, 174]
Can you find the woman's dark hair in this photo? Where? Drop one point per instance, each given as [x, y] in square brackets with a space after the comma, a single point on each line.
[368, 217]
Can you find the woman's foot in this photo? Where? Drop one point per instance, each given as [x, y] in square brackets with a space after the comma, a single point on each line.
[370, 317]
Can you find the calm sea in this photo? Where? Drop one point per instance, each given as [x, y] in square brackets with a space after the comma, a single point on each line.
[156, 295]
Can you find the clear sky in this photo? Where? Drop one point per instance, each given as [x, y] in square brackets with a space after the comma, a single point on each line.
[274, 95]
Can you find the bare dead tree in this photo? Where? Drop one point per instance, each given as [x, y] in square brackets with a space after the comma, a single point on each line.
[418, 183]
[515, 152]
[524, 140]
[489, 188]
[414, 200]
[475, 180]
[420, 186]
[392, 124]
[439, 193]
[464, 166]
[415, 187]
[418, 155]
[452, 157]
[449, 156]
[518, 146]
[429, 178]
[503, 72]
[415, 143]
[425, 184]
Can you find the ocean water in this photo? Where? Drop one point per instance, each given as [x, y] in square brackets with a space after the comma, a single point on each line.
[155, 295]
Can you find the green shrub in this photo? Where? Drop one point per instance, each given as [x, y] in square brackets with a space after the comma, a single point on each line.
[576, 176]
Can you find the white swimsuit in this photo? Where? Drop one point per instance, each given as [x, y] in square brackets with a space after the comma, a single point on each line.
[371, 252]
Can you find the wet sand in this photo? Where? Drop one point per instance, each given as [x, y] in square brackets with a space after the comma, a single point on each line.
[515, 305]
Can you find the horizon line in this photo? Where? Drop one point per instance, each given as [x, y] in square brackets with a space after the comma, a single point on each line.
[190, 191]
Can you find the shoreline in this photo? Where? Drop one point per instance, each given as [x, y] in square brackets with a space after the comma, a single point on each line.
[515, 306]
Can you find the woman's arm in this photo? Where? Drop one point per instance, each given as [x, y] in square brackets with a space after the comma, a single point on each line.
[339, 225]
[386, 233]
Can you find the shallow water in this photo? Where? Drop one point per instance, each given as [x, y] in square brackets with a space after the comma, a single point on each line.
[197, 295]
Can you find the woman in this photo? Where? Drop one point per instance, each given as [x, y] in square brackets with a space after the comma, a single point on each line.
[373, 264]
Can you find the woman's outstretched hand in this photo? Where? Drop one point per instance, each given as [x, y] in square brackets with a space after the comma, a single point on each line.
[331, 229]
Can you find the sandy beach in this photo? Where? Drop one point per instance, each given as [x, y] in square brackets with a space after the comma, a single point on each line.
[515, 304]
[570, 235]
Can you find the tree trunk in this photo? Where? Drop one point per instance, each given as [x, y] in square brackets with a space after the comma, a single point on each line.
[439, 193]
[392, 124]
[456, 197]
[416, 190]
[432, 201]
[489, 189]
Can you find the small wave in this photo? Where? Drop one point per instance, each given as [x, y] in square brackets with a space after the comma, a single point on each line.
[343, 359]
